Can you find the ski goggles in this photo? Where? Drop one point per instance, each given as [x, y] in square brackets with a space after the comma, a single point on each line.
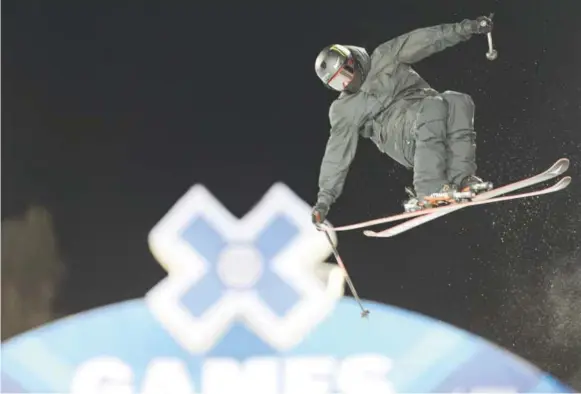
[341, 78]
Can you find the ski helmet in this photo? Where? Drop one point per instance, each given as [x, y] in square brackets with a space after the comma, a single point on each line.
[335, 66]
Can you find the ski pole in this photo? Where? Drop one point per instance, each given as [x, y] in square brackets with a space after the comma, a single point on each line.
[364, 312]
[492, 53]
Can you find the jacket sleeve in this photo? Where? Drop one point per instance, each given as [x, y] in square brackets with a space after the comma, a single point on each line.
[419, 44]
[339, 154]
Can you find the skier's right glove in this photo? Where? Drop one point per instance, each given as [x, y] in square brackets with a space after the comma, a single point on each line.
[319, 213]
[482, 25]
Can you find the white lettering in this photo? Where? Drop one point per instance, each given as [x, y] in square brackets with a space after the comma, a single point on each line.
[311, 375]
[103, 375]
[256, 376]
[267, 375]
[166, 375]
[365, 374]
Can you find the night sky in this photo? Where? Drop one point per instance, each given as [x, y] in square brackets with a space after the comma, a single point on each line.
[112, 111]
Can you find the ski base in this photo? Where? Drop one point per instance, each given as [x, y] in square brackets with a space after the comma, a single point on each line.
[390, 232]
[426, 215]
[557, 169]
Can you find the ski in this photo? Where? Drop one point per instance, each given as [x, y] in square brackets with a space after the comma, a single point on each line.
[392, 231]
[373, 222]
[558, 168]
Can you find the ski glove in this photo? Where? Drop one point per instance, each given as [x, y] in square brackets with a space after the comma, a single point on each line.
[319, 213]
[482, 25]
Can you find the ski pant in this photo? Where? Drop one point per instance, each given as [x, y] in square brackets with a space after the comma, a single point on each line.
[445, 142]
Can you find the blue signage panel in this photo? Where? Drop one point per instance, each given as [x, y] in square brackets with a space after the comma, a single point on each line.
[244, 309]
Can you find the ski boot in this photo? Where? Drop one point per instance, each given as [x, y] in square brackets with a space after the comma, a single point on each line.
[448, 194]
[475, 185]
[413, 203]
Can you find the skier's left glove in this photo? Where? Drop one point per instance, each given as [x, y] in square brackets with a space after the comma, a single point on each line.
[482, 25]
[319, 213]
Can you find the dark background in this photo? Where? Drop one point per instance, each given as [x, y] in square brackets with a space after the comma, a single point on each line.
[112, 111]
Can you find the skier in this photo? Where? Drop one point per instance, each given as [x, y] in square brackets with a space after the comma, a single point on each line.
[382, 98]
